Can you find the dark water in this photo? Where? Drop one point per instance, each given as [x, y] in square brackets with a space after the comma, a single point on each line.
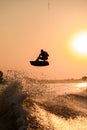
[27, 104]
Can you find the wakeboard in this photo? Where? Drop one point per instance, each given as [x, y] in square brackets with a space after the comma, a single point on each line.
[39, 63]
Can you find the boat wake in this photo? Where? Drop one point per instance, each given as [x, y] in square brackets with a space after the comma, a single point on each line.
[26, 104]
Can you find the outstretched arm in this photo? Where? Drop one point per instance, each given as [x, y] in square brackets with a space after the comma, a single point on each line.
[38, 57]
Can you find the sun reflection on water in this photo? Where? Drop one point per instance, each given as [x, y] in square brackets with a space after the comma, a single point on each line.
[82, 85]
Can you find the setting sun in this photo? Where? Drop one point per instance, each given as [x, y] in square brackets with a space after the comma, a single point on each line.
[79, 44]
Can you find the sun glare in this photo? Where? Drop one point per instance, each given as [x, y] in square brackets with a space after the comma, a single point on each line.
[82, 85]
[78, 44]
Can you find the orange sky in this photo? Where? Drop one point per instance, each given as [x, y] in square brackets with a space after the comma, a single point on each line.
[27, 26]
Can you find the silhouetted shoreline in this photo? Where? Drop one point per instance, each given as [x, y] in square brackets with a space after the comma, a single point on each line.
[59, 81]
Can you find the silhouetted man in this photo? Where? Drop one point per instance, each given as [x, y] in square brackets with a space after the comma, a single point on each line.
[43, 56]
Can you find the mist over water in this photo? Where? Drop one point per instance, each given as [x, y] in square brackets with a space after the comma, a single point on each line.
[29, 104]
